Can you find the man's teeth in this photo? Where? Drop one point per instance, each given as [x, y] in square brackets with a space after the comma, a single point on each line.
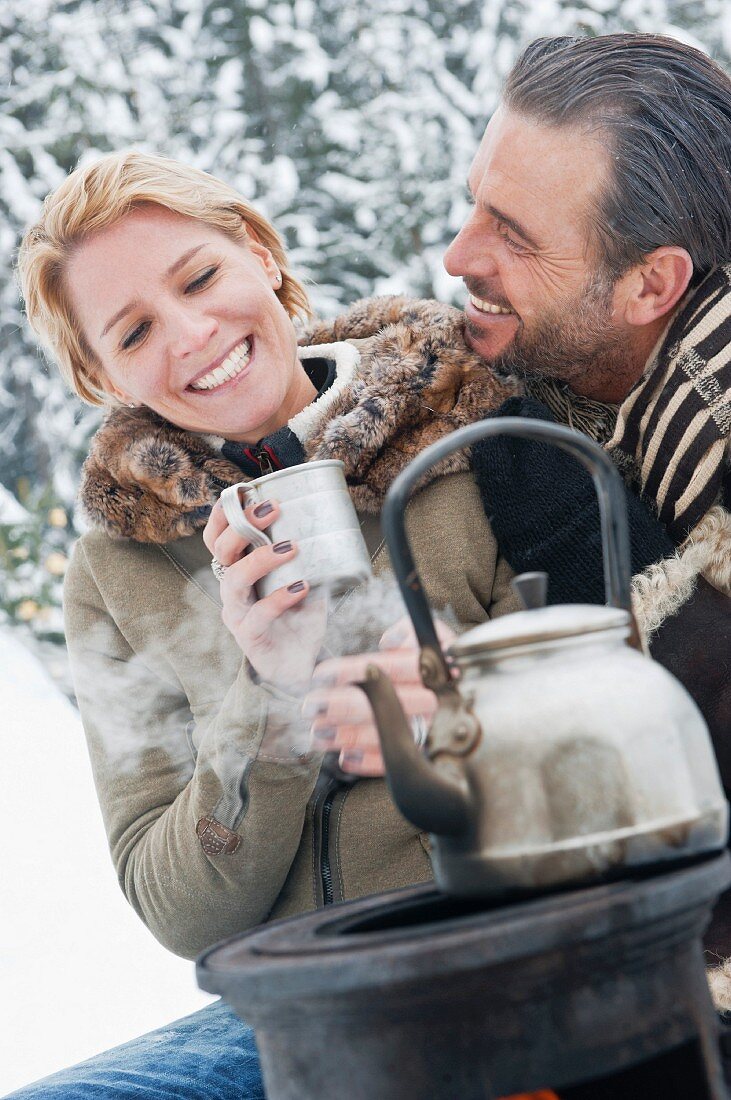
[487, 307]
[232, 365]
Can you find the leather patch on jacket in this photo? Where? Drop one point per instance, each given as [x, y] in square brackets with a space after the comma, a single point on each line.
[215, 838]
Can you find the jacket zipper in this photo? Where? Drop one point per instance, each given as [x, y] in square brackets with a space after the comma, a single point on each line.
[329, 788]
[325, 869]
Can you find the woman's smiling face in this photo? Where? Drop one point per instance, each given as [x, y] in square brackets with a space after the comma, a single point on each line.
[185, 320]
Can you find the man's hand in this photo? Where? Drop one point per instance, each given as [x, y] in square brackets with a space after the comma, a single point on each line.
[342, 716]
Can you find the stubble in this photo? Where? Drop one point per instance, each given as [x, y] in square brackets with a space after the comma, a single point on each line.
[578, 342]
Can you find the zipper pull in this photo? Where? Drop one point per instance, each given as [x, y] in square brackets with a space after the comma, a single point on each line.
[264, 461]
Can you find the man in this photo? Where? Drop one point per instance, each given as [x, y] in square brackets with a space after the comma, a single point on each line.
[594, 258]
[613, 267]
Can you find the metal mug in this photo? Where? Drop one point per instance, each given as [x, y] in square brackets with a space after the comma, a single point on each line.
[317, 513]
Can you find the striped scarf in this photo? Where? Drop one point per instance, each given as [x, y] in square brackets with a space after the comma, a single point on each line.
[596, 419]
[672, 430]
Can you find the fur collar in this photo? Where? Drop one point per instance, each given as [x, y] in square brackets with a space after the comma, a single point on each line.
[416, 381]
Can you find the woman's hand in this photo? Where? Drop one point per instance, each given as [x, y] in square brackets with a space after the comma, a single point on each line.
[342, 716]
[279, 635]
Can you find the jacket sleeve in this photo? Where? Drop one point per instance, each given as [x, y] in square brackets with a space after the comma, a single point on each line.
[456, 553]
[695, 645]
[201, 845]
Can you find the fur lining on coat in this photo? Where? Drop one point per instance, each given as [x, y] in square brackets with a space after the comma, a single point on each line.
[416, 381]
[662, 589]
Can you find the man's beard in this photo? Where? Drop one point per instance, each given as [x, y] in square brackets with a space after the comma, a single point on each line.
[574, 342]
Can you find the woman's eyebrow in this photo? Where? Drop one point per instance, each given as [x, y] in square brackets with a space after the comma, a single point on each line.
[172, 270]
[182, 261]
[118, 317]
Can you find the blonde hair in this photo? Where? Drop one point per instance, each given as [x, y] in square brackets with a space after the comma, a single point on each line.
[97, 196]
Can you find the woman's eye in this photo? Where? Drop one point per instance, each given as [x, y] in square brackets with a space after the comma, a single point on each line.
[201, 280]
[135, 336]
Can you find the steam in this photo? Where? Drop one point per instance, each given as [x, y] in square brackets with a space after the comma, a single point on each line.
[345, 625]
[146, 713]
[140, 712]
[360, 617]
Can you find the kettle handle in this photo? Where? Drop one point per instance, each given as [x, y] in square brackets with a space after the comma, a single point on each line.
[612, 511]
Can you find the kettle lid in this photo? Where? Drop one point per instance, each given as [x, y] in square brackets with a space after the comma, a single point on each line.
[542, 624]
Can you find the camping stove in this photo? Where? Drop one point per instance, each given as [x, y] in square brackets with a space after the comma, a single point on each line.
[415, 995]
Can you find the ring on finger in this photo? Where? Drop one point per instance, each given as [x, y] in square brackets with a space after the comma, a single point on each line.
[218, 569]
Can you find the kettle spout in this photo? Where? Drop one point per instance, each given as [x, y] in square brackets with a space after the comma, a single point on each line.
[429, 800]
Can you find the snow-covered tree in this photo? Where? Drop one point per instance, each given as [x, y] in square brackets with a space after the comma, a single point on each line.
[351, 125]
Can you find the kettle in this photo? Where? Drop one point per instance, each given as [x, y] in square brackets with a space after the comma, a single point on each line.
[559, 752]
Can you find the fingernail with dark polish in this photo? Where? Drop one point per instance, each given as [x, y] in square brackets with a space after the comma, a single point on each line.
[296, 586]
[282, 548]
[263, 509]
[354, 757]
[328, 734]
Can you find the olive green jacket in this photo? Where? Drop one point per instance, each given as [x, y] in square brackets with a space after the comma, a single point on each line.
[180, 733]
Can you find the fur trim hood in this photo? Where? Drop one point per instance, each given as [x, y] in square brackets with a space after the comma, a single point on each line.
[416, 381]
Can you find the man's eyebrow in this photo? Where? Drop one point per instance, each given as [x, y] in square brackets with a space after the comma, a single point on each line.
[512, 224]
[172, 270]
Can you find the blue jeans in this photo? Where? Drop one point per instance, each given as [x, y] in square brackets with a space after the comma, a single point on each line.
[210, 1055]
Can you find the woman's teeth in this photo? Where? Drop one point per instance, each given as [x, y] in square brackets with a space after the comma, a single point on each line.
[232, 365]
[487, 307]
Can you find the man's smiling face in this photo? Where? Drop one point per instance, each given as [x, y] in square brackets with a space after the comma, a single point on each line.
[539, 301]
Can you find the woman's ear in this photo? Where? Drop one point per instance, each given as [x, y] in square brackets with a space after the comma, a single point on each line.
[270, 264]
[657, 285]
[107, 386]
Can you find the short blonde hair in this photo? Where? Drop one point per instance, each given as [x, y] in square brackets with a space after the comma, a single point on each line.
[97, 196]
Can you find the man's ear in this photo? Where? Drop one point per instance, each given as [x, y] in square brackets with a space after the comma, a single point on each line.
[657, 285]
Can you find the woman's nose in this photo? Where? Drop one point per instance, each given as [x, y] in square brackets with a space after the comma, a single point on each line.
[191, 333]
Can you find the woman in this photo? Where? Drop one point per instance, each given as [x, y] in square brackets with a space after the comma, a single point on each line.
[165, 296]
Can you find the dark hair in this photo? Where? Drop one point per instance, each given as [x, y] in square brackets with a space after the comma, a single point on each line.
[664, 111]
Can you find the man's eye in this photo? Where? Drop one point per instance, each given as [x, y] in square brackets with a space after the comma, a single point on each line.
[513, 245]
[135, 336]
[201, 280]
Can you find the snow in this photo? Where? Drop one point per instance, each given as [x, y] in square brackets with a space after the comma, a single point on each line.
[79, 971]
[11, 510]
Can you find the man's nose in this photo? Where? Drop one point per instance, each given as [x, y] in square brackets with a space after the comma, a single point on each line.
[470, 254]
[191, 333]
